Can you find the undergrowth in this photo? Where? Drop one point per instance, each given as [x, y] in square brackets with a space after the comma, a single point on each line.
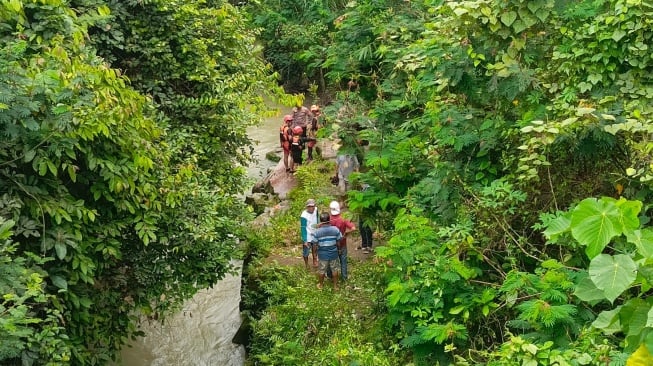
[293, 322]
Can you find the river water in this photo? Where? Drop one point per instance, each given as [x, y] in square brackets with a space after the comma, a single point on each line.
[201, 333]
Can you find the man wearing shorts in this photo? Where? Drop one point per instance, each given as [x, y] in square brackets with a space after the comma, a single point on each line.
[308, 224]
[326, 239]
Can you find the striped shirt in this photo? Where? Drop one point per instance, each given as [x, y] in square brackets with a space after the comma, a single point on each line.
[326, 237]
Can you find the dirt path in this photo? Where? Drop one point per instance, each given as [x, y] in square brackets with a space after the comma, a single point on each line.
[283, 183]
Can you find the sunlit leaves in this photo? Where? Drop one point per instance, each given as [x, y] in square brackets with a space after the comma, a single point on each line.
[595, 222]
[612, 274]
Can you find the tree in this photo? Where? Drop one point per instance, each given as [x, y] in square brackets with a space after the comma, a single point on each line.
[129, 198]
[486, 118]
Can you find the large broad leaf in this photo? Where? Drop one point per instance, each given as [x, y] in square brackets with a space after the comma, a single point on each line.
[612, 274]
[556, 227]
[586, 290]
[629, 211]
[508, 18]
[594, 223]
[608, 321]
[634, 317]
[643, 240]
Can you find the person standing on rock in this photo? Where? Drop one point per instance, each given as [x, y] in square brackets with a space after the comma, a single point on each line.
[326, 239]
[296, 148]
[311, 134]
[308, 225]
[345, 227]
[301, 116]
[285, 135]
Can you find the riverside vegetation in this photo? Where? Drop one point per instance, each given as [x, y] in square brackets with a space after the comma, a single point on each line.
[508, 154]
[294, 323]
[509, 164]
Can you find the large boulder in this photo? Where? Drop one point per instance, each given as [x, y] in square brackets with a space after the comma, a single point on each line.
[260, 201]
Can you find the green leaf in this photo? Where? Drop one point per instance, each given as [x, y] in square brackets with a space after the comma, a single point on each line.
[508, 18]
[460, 11]
[556, 227]
[618, 34]
[61, 250]
[586, 290]
[608, 321]
[5, 229]
[29, 155]
[643, 240]
[59, 282]
[612, 274]
[519, 26]
[542, 14]
[534, 5]
[594, 223]
[457, 309]
[634, 316]
[629, 213]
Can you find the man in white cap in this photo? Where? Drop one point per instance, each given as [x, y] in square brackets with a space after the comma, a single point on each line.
[345, 227]
[308, 224]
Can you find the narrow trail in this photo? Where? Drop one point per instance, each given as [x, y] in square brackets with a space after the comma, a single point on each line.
[283, 183]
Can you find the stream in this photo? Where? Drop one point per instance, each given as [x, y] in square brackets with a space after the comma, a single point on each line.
[201, 333]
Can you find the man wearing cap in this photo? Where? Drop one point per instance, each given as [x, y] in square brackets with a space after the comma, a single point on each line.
[308, 224]
[345, 227]
[301, 116]
[326, 239]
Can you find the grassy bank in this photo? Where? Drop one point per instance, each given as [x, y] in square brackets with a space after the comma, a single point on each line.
[293, 322]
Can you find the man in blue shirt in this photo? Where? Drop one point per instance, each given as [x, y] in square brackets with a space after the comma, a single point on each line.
[326, 239]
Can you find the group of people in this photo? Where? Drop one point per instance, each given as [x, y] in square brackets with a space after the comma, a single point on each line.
[324, 237]
[298, 132]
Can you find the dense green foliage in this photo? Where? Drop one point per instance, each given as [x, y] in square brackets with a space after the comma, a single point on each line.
[123, 141]
[294, 323]
[295, 35]
[491, 125]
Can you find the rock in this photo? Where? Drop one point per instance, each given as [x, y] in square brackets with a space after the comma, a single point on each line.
[260, 201]
[263, 186]
[273, 156]
[263, 219]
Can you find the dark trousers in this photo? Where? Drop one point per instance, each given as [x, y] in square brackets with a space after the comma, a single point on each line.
[366, 234]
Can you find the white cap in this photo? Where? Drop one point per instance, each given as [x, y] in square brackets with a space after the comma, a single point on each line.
[334, 206]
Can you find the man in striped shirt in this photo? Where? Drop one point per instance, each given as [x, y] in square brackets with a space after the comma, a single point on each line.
[326, 239]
